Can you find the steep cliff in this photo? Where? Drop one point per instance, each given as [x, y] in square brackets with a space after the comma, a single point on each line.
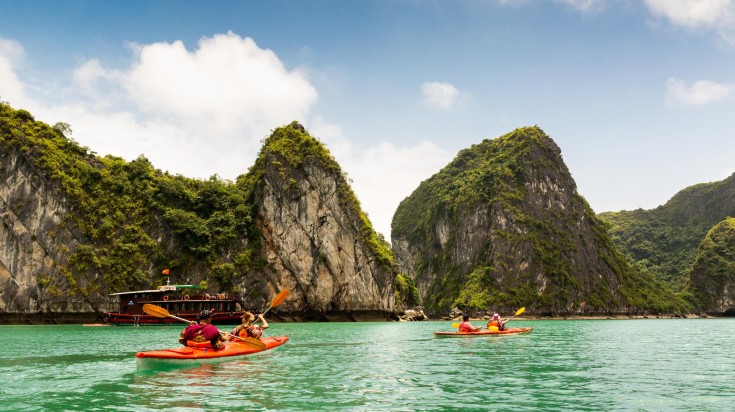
[712, 279]
[35, 240]
[316, 240]
[75, 227]
[502, 226]
[38, 237]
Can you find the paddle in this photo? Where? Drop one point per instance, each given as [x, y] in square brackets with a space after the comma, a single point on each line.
[248, 341]
[518, 312]
[280, 297]
[160, 312]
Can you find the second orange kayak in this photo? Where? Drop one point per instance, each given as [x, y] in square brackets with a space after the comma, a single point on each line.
[485, 332]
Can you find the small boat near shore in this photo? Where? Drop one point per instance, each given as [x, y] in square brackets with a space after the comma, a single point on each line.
[509, 331]
[184, 301]
[187, 355]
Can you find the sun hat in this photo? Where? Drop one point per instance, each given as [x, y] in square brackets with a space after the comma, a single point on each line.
[205, 314]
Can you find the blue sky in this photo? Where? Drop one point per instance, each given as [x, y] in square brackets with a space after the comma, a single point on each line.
[638, 94]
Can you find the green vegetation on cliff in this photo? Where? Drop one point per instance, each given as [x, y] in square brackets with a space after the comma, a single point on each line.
[288, 148]
[713, 272]
[664, 241]
[122, 207]
[132, 220]
[487, 172]
[511, 204]
[406, 292]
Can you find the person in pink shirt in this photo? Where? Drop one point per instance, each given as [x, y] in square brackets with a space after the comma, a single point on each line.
[202, 332]
[466, 326]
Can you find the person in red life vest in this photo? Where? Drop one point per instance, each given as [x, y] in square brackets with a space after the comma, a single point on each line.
[466, 326]
[495, 323]
[202, 331]
[248, 329]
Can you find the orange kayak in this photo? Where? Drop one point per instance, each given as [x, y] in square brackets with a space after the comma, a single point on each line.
[509, 331]
[185, 355]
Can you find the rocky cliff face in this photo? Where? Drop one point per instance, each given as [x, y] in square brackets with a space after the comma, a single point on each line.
[712, 278]
[315, 239]
[502, 226]
[36, 242]
[75, 227]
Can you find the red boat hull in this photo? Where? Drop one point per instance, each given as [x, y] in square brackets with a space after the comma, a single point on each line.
[144, 319]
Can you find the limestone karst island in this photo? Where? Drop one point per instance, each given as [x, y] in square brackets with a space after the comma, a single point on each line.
[500, 227]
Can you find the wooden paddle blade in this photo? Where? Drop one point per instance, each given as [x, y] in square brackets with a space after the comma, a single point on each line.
[156, 311]
[519, 311]
[254, 343]
[283, 295]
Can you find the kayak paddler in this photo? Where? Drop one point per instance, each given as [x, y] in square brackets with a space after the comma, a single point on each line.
[248, 329]
[466, 326]
[495, 323]
[202, 331]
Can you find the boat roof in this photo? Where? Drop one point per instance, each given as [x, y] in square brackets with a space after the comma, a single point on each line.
[164, 288]
[136, 291]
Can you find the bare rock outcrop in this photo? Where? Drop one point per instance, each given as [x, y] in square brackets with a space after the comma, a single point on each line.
[316, 241]
[35, 242]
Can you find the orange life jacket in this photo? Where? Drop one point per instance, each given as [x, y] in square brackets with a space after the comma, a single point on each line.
[251, 331]
[493, 323]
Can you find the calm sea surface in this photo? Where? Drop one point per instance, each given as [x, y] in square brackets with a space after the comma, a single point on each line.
[595, 365]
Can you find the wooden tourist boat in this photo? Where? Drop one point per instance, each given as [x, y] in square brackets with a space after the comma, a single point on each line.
[184, 301]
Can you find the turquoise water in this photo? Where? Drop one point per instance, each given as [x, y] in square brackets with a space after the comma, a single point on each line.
[678, 364]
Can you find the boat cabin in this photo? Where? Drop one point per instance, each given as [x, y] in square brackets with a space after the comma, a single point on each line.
[184, 301]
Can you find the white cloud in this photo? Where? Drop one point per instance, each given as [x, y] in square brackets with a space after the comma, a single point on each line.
[717, 15]
[11, 50]
[441, 96]
[693, 13]
[374, 170]
[11, 87]
[228, 81]
[699, 93]
[586, 6]
[198, 112]
[91, 77]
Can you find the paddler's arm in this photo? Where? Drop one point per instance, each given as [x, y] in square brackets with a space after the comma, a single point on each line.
[262, 320]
